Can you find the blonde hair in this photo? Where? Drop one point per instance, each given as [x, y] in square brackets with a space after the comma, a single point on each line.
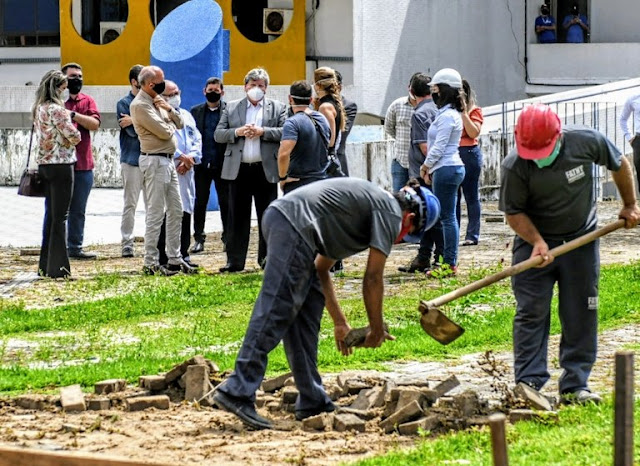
[49, 90]
[326, 79]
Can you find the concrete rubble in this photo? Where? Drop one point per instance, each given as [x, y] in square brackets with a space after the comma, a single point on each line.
[363, 403]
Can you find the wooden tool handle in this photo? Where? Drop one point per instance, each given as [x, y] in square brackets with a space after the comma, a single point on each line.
[526, 265]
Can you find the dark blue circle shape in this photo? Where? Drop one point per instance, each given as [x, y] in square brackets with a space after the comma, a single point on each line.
[186, 31]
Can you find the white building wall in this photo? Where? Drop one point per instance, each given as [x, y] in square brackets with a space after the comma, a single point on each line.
[482, 40]
[615, 21]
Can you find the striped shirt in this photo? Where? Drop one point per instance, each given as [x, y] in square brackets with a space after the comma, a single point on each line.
[397, 124]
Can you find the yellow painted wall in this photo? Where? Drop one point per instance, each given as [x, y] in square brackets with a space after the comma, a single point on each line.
[284, 58]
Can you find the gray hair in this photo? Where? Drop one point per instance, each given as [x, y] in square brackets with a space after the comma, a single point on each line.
[49, 90]
[147, 73]
[257, 74]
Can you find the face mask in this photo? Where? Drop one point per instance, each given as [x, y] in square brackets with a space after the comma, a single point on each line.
[541, 163]
[64, 95]
[74, 85]
[436, 98]
[174, 101]
[158, 88]
[256, 94]
[544, 12]
[213, 97]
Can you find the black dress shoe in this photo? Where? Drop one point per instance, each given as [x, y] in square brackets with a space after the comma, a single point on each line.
[305, 413]
[416, 265]
[82, 255]
[231, 268]
[245, 410]
[198, 247]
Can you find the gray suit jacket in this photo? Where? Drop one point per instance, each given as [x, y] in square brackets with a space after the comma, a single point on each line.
[234, 116]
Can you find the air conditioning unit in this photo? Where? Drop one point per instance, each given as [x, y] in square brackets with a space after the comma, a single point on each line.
[110, 30]
[276, 20]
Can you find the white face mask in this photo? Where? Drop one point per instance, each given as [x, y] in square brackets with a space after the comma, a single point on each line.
[64, 95]
[256, 94]
[174, 101]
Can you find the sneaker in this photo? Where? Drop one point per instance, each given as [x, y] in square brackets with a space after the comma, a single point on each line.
[580, 397]
[416, 265]
[158, 270]
[337, 267]
[82, 255]
[182, 267]
[127, 251]
[245, 410]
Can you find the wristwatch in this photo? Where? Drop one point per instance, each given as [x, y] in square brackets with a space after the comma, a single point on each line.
[73, 115]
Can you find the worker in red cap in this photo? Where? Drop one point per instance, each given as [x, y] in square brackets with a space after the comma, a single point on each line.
[548, 194]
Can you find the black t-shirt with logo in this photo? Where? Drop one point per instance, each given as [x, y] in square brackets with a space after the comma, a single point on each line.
[559, 199]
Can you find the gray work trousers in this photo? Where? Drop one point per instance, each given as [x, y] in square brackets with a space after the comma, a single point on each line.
[161, 192]
[577, 274]
[289, 308]
[132, 183]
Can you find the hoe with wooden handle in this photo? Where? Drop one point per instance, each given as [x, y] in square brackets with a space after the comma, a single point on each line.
[444, 330]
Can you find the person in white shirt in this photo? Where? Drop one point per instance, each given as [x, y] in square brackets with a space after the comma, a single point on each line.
[632, 106]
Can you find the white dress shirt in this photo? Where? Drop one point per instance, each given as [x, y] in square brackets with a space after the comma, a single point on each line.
[189, 142]
[632, 105]
[251, 152]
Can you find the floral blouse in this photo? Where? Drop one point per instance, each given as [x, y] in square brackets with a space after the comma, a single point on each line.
[57, 135]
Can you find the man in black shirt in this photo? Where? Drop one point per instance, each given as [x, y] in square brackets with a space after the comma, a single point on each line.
[207, 116]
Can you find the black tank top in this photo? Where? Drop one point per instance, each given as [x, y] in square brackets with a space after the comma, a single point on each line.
[328, 98]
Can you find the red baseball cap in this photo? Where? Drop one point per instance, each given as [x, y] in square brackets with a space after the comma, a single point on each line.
[537, 131]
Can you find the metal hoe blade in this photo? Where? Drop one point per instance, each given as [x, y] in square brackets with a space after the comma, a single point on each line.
[438, 325]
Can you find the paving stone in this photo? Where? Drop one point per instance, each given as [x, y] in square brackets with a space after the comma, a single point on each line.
[389, 408]
[140, 403]
[532, 397]
[182, 381]
[394, 393]
[72, 398]
[366, 415]
[180, 369]
[344, 422]
[99, 404]
[155, 383]
[406, 414]
[273, 405]
[425, 423]
[355, 385]
[197, 383]
[447, 402]
[276, 383]
[446, 386]
[290, 382]
[407, 395]
[289, 395]
[36, 402]
[287, 407]
[467, 403]
[262, 401]
[516, 415]
[319, 422]
[333, 391]
[388, 386]
[105, 387]
[369, 398]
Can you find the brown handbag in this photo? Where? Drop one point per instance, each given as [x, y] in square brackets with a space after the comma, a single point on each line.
[31, 183]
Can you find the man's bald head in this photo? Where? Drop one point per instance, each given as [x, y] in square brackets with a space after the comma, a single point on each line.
[149, 78]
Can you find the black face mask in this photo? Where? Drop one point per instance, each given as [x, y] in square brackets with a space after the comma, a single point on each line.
[158, 88]
[213, 97]
[74, 85]
[544, 11]
[436, 97]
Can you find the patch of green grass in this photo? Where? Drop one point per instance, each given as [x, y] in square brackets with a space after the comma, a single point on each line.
[530, 443]
[160, 322]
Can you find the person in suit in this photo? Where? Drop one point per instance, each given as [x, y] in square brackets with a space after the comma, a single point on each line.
[351, 110]
[207, 116]
[251, 127]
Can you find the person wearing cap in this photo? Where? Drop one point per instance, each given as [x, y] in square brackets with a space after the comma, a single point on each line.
[443, 168]
[307, 231]
[547, 194]
[546, 26]
[576, 25]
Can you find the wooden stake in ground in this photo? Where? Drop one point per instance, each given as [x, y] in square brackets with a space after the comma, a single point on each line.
[623, 451]
[499, 439]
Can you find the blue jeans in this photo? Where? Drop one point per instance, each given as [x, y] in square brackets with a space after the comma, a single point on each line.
[472, 158]
[399, 175]
[82, 184]
[446, 181]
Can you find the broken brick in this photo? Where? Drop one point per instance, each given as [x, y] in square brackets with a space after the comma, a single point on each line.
[197, 383]
[532, 397]
[99, 404]
[289, 395]
[366, 415]
[155, 383]
[406, 414]
[179, 370]
[344, 422]
[425, 423]
[36, 402]
[334, 392]
[319, 422]
[72, 398]
[369, 398]
[140, 403]
[407, 395]
[467, 403]
[276, 383]
[446, 386]
[105, 387]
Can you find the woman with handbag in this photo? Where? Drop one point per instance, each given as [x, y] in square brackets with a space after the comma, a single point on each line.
[56, 154]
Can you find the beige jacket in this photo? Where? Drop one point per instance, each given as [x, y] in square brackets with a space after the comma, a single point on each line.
[155, 126]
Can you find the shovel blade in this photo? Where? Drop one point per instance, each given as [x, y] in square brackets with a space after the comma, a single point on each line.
[439, 326]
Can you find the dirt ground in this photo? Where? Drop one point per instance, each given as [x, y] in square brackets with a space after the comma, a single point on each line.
[188, 434]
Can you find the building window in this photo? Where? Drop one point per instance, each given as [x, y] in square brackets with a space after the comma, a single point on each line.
[99, 22]
[29, 23]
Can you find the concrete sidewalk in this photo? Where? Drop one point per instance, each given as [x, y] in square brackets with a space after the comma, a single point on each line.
[21, 218]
